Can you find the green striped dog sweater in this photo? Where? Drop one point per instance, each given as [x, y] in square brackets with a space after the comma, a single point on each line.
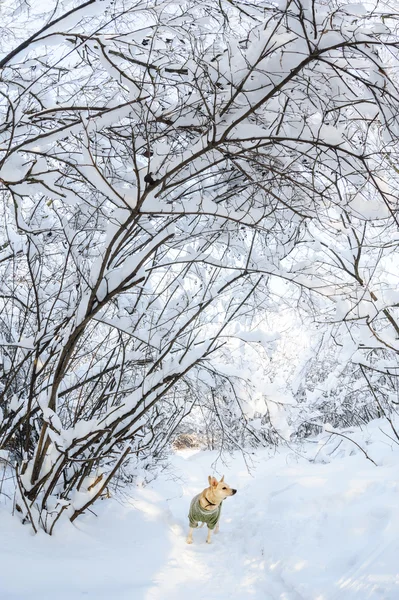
[197, 513]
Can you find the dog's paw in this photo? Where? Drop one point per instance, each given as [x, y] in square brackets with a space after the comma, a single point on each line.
[208, 541]
[189, 541]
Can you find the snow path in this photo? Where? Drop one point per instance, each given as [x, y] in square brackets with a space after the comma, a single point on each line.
[294, 531]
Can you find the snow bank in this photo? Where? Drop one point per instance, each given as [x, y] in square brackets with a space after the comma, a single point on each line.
[315, 522]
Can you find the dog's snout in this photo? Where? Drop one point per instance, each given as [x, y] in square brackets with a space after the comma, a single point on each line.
[234, 492]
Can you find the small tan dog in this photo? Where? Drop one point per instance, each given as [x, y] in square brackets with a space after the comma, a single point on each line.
[206, 507]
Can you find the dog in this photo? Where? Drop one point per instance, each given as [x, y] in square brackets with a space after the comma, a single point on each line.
[206, 507]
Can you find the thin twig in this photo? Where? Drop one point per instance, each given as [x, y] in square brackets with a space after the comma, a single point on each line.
[356, 444]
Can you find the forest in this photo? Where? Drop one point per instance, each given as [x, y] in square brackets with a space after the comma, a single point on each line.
[199, 238]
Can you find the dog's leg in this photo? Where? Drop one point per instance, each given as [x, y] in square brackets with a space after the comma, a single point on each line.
[208, 539]
[217, 527]
[190, 536]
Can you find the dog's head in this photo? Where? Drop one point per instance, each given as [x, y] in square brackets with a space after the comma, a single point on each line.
[220, 489]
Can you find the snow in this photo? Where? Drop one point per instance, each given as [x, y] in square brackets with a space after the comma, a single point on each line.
[355, 9]
[14, 168]
[316, 521]
[311, 522]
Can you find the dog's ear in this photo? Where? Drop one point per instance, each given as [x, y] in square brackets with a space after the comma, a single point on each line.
[212, 481]
[221, 481]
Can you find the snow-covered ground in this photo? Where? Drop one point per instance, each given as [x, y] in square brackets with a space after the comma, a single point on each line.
[296, 530]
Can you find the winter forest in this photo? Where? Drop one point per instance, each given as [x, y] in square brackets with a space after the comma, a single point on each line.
[199, 274]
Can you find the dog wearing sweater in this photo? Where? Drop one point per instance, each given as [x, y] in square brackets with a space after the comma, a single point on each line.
[206, 507]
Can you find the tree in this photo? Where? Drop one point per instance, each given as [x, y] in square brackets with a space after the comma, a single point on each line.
[163, 165]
